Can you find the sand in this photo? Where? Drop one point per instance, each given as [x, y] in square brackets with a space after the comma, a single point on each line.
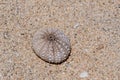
[93, 27]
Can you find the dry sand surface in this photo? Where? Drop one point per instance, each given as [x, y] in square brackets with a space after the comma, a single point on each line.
[93, 27]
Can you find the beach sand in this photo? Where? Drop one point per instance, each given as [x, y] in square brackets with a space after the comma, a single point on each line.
[93, 27]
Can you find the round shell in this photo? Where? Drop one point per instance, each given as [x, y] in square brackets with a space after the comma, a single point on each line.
[51, 45]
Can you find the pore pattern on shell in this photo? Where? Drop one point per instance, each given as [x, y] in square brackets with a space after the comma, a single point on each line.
[51, 45]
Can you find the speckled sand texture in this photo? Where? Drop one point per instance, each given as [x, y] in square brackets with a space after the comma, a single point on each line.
[93, 27]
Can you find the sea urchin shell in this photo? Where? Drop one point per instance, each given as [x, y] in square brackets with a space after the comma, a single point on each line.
[51, 45]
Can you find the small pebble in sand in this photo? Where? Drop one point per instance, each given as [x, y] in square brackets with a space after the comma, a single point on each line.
[76, 25]
[84, 74]
[1, 77]
[51, 45]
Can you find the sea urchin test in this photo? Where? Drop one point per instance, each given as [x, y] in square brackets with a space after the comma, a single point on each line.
[51, 45]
